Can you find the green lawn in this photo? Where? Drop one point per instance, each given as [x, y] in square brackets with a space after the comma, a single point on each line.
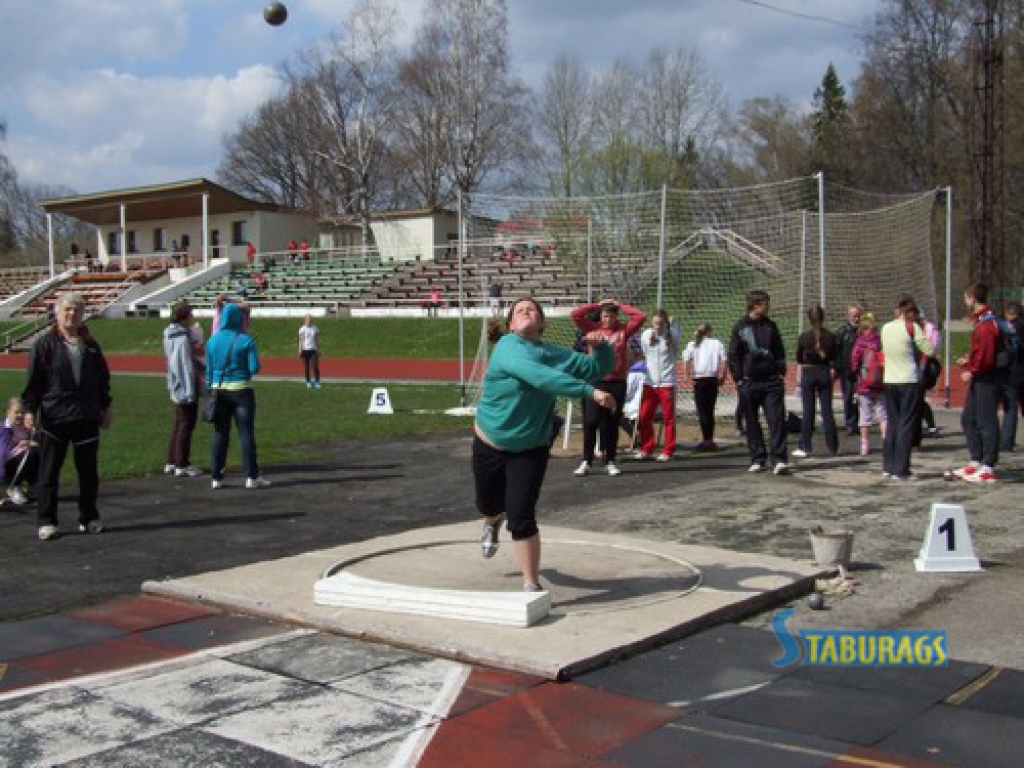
[289, 418]
[401, 338]
[405, 337]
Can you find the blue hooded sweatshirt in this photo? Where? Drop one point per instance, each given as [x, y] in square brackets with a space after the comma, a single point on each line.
[243, 362]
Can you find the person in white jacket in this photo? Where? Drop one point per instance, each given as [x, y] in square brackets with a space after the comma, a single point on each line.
[183, 387]
[705, 361]
[660, 345]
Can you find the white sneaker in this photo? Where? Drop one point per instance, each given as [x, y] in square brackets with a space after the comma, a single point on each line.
[168, 469]
[799, 454]
[47, 532]
[664, 457]
[17, 496]
[641, 456]
[612, 470]
[756, 468]
[582, 469]
[189, 471]
[93, 526]
[216, 485]
[781, 468]
[257, 482]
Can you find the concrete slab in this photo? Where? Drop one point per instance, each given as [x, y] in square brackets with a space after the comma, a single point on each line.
[611, 595]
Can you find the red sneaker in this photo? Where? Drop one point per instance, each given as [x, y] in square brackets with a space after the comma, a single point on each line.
[981, 477]
[966, 473]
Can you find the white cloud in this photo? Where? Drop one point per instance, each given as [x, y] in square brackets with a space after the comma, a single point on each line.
[98, 124]
[60, 33]
[110, 93]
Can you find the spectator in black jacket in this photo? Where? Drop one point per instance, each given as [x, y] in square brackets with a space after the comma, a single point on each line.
[846, 337]
[757, 362]
[1013, 390]
[69, 391]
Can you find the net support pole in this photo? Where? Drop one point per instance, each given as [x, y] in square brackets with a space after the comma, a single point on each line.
[661, 244]
[462, 341]
[124, 237]
[803, 273]
[49, 243]
[821, 231]
[949, 283]
[590, 259]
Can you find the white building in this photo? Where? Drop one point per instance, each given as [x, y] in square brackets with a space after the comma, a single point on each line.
[204, 220]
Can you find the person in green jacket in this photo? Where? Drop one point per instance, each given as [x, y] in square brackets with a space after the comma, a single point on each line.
[515, 428]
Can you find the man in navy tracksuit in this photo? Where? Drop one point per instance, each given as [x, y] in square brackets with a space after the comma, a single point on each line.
[757, 362]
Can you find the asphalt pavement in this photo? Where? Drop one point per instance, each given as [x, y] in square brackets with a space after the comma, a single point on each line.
[95, 674]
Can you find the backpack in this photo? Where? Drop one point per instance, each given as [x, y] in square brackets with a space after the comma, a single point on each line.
[872, 369]
[929, 369]
[1009, 354]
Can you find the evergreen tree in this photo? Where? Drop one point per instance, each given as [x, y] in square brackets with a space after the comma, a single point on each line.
[832, 133]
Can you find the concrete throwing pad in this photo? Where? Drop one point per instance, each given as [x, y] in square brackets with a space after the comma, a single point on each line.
[609, 594]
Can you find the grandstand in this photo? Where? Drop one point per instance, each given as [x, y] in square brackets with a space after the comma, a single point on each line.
[536, 271]
[99, 289]
[17, 280]
[329, 284]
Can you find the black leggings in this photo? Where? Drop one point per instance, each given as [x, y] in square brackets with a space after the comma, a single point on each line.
[596, 418]
[509, 484]
[705, 396]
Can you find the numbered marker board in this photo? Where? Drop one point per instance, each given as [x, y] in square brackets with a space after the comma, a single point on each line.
[380, 402]
[947, 542]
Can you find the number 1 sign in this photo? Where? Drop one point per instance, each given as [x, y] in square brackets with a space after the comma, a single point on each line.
[947, 542]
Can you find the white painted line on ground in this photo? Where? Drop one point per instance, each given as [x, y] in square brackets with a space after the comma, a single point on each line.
[116, 676]
[416, 743]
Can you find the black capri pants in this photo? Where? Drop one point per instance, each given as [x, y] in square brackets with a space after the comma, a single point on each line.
[508, 483]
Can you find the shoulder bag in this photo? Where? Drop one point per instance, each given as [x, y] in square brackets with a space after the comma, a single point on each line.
[208, 411]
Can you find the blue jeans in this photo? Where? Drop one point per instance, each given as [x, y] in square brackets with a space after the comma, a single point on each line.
[240, 405]
[1010, 398]
[816, 384]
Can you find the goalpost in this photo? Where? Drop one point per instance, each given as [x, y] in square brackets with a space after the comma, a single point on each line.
[697, 253]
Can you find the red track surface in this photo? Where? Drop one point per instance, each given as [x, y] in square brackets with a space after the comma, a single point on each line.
[392, 370]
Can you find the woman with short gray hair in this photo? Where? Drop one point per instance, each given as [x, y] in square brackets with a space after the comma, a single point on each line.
[68, 389]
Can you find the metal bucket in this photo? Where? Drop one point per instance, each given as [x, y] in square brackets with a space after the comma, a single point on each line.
[832, 548]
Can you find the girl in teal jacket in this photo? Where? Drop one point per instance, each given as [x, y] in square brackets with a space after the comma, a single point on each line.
[514, 425]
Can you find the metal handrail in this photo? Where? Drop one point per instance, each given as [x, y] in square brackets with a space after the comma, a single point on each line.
[13, 335]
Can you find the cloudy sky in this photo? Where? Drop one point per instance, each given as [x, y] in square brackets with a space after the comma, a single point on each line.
[102, 94]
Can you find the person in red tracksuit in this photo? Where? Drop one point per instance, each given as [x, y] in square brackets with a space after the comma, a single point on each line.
[595, 418]
[980, 417]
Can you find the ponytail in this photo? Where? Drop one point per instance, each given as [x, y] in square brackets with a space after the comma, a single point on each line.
[703, 330]
[494, 332]
[816, 316]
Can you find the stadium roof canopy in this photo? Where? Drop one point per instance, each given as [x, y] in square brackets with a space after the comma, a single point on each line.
[178, 199]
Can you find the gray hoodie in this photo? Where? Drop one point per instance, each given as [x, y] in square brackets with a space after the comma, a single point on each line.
[181, 373]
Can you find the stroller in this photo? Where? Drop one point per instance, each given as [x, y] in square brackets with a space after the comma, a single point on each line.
[15, 496]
